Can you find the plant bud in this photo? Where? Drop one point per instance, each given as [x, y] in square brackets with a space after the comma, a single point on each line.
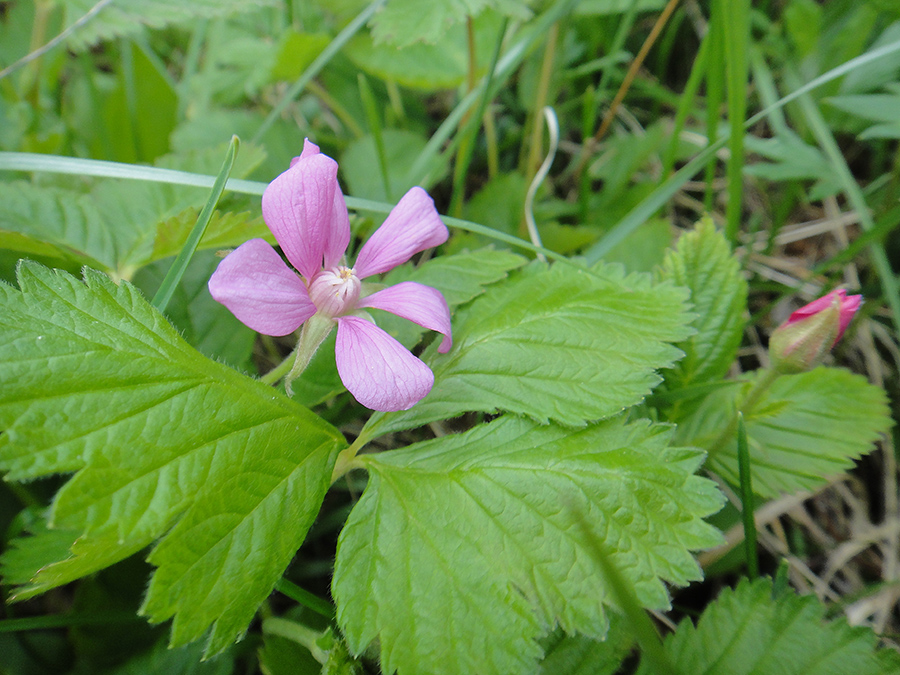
[801, 342]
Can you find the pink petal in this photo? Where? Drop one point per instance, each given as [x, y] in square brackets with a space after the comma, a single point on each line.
[419, 303]
[379, 371]
[260, 290]
[309, 149]
[305, 214]
[412, 226]
[339, 234]
[848, 307]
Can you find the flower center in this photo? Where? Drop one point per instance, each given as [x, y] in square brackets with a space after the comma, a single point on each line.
[335, 292]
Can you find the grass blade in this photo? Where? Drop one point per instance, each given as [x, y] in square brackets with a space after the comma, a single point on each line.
[658, 198]
[820, 130]
[322, 59]
[173, 276]
[746, 477]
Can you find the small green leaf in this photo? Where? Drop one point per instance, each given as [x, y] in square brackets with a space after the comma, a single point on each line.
[561, 343]
[792, 159]
[206, 324]
[226, 231]
[476, 525]
[805, 429]
[703, 263]
[164, 443]
[747, 632]
[85, 555]
[404, 22]
[27, 554]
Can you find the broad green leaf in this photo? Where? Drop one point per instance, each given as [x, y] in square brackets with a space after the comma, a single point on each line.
[108, 113]
[465, 549]
[703, 263]
[184, 661]
[128, 17]
[746, 631]
[805, 429]
[296, 53]
[404, 22]
[164, 443]
[429, 67]
[561, 343]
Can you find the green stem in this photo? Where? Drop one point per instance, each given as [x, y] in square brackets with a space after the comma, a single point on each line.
[305, 598]
[760, 387]
[178, 268]
[347, 459]
[291, 630]
[746, 479]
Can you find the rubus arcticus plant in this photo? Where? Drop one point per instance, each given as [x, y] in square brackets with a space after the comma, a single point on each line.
[570, 495]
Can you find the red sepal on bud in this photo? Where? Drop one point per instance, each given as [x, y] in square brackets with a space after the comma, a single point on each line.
[801, 342]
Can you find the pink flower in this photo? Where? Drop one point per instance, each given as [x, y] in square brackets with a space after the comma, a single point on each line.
[305, 210]
[812, 331]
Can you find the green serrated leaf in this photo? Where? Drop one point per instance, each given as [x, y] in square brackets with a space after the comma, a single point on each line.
[225, 231]
[113, 225]
[26, 555]
[478, 525]
[128, 17]
[184, 661]
[748, 632]
[206, 324]
[561, 343]
[164, 442]
[460, 277]
[46, 220]
[703, 263]
[580, 655]
[805, 429]
[86, 555]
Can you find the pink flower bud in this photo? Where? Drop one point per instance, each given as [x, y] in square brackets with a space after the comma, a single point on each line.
[801, 342]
